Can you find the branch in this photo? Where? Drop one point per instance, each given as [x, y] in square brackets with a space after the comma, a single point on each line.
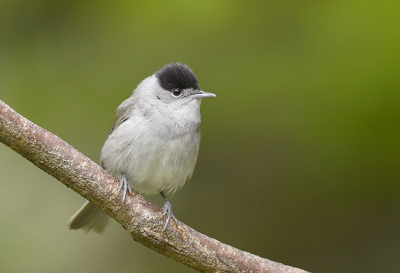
[143, 220]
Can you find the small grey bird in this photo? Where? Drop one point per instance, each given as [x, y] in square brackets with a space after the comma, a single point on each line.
[154, 141]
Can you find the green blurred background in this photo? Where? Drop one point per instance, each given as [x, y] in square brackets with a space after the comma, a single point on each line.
[300, 153]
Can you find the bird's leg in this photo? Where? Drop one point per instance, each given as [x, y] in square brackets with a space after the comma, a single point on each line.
[123, 184]
[167, 210]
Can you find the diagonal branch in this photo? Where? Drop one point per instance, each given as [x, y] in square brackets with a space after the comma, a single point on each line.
[143, 220]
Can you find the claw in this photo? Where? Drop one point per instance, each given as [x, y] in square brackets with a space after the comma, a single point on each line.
[123, 184]
[167, 210]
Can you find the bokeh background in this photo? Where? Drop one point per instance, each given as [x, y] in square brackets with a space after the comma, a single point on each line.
[300, 153]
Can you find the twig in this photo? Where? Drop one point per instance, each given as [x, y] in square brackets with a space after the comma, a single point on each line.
[143, 220]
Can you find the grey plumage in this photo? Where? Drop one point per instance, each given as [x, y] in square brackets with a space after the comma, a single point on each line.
[154, 141]
[89, 218]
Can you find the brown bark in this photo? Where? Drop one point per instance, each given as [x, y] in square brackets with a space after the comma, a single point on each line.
[143, 220]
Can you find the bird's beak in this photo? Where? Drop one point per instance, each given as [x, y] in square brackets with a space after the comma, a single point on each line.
[203, 95]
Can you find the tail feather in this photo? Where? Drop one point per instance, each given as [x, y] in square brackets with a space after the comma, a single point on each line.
[89, 218]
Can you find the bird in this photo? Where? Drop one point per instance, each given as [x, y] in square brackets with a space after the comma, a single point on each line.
[153, 143]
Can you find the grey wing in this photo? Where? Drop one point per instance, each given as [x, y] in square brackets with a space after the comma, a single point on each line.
[123, 112]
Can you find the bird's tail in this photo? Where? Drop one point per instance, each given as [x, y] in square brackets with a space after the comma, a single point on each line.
[89, 218]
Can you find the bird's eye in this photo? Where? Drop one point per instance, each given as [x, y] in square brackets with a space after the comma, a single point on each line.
[176, 92]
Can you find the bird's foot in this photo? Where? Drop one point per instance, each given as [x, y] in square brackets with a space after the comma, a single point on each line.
[167, 211]
[124, 186]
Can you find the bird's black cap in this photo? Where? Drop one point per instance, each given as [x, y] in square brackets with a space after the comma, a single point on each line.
[177, 75]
